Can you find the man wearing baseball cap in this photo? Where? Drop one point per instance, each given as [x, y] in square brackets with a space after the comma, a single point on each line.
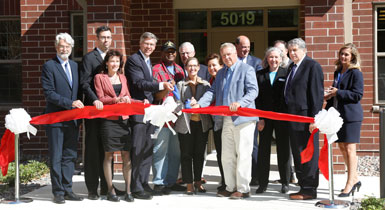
[166, 153]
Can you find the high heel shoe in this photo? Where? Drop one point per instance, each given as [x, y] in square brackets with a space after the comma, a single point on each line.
[190, 189]
[358, 185]
[348, 194]
[199, 188]
[112, 197]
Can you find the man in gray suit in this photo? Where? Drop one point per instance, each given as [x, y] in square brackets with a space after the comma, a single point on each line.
[235, 86]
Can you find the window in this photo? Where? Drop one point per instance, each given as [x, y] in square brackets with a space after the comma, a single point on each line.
[10, 62]
[380, 54]
[77, 35]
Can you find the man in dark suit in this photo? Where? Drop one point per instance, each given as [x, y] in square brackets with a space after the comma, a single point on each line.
[60, 83]
[187, 50]
[304, 91]
[138, 70]
[242, 44]
[94, 152]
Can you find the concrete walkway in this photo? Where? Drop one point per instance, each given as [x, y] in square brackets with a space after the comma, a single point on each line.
[272, 199]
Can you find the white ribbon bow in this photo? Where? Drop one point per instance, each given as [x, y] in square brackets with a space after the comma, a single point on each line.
[159, 115]
[329, 122]
[18, 122]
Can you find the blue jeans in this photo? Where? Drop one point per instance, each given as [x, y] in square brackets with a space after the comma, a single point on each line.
[166, 158]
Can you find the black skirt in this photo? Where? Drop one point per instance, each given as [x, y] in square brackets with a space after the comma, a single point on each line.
[116, 135]
[350, 132]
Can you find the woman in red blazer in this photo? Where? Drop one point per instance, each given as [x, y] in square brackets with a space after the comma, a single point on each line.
[111, 88]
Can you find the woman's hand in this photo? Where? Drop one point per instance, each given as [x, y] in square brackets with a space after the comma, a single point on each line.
[126, 99]
[261, 125]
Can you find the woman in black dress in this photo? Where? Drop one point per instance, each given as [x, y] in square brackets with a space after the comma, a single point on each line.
[345, 96]
[111, 88]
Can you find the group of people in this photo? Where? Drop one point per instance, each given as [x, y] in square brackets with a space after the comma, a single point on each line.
[234, 78]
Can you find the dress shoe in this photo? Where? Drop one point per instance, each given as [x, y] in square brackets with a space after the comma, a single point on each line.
[119, 192]
[285, 188]
[199, 187]
[148, 189]
[93, 196]
[129, 197]
[301, 196]
[261, 189]
[158, 190]
[59, 199]
[112, 197]
[239, 195]
[142, 195]
[221, 187]
[224, 193]
[180, 181]
[254, 182]
[166, 191]
[72, 197]
[178, 188]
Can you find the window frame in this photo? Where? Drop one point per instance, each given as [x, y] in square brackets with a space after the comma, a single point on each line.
[376, 56]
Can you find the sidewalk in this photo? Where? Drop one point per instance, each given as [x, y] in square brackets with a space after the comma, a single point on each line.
[272, 199]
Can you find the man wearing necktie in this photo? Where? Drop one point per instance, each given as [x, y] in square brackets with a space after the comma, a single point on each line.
[304, 93]
[60, 85]
[142, 85]
[235, 86]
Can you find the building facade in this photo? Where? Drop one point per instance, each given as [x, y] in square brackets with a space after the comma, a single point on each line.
[28, 29]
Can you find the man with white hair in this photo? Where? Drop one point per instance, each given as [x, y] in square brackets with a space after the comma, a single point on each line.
[235, 86]
[60, 83]
[187, 50]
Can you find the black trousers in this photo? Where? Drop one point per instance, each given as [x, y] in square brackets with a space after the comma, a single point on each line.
[218, 148]
[307, 174]
[192, 150]
[141, 155]
[283, 151]
[93, 157]
[62, 145]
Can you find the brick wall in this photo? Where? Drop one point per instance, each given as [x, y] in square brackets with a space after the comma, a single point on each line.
[41, 20]
[323, 24]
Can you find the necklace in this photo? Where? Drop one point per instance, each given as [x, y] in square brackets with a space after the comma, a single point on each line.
[114, 79]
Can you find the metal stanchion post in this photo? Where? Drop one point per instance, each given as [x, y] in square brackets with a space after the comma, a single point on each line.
[17, 200]
[331, 203]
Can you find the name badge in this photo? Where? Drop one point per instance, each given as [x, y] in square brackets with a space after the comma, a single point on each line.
[281, 79]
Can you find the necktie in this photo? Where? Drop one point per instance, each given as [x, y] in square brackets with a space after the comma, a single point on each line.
[291, 75]
[67, 71]
[226, 87]
[149, 66]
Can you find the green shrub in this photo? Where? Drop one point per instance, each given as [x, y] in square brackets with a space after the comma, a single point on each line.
[372, 203]
[28, 172]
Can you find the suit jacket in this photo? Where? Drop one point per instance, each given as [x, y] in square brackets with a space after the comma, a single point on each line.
[243, 89]
[57, 90]
[140, 82]
[349, 94]
[271, 97]
[90, 67]
[186, 93]
[305, 96]
[255, 62]
[106, 93]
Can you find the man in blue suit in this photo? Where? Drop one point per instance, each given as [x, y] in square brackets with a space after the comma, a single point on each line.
[60, 83]
[235, 86]
[242, 43]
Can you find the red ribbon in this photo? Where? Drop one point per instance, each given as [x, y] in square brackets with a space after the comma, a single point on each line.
[7, 150]
[135, 108]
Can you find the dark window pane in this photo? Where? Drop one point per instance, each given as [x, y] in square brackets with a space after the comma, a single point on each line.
[77, 35]
[381, 41]
[381, 78]
[237, 18]
[381, 18]
[10, 39]
[192, 20]
[281, 35]
[10, 83]
[199, 40]
[283, 17]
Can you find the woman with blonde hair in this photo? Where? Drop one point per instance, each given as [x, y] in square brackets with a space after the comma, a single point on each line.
[345, 95]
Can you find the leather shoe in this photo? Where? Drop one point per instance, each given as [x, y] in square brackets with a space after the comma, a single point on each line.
[285, 188]
[148, 189]
[261, 189]
[239, 195]
[301, 196]
[112, 197]
[142, 195]
[129, 197]
[158, 190]
[72, 197]
[119, 192]
[59, 199]
[93, 196]
[178, 188]
[254, 182]
[223, 193]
